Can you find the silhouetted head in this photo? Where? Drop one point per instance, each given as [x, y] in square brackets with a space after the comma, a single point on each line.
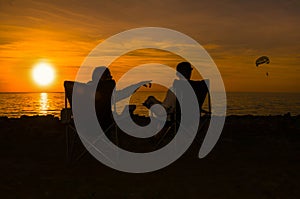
[101, 70]
[185, 69]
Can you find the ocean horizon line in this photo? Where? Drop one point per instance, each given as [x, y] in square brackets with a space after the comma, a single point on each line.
[24, 92]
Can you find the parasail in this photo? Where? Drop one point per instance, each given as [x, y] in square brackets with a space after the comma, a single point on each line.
[262, 60]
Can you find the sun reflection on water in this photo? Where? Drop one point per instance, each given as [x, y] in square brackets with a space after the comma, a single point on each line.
[44, 104]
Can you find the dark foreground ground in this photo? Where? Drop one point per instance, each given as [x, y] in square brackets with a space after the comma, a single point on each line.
[256, 157]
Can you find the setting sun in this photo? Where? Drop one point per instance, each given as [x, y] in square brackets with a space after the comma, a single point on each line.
[43, 74]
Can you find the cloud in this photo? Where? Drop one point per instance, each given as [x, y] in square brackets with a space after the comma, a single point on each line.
[233, 32]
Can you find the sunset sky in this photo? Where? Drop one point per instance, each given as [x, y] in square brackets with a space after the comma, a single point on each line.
[234, 33]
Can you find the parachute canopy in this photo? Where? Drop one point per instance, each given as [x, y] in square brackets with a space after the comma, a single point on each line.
[262, 60]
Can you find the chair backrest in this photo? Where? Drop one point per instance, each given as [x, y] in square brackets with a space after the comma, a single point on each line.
[201, 90]
[102, 98]
[66, 113]
[68, 85]
[69, 89]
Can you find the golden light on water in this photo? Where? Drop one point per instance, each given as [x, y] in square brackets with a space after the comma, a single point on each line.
[43, 74]
[44, 105]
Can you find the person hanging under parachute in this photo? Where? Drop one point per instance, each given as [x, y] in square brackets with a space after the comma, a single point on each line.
[262, 60]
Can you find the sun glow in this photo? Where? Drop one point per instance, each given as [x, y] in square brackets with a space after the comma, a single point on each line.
[43, 74]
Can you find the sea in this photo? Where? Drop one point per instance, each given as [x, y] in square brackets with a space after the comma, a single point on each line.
[14, 105]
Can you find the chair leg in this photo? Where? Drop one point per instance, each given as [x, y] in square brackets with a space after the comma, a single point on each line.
[81, 155]
[200, 128]
[165, 134]
[70, 142]
[67, 143]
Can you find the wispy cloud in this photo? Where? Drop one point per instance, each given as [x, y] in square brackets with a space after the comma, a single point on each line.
[233, 32]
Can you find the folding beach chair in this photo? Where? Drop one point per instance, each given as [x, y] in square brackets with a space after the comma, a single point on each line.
[67, 120]
[72, 137]
[201, 89]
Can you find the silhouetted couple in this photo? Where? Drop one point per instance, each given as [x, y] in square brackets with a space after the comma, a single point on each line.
[106, 86]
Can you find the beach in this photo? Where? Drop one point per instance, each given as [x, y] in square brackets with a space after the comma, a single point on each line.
[164, 63]
[255, 157]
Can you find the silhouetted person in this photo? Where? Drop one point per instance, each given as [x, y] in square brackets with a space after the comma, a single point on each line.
[104, 94]
[169, 103]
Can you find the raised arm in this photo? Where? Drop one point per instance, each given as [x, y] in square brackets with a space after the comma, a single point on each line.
[128, 91]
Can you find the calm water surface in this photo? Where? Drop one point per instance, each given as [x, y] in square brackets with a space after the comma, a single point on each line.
[17, 104]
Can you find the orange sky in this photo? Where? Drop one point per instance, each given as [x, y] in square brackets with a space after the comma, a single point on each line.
[234, 33]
